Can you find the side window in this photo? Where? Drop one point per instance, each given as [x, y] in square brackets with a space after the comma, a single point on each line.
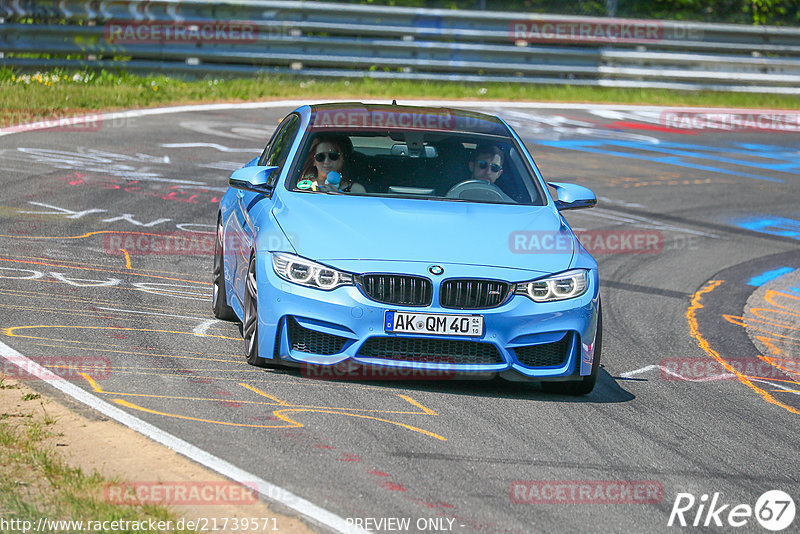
[281, 144]
[262, 160]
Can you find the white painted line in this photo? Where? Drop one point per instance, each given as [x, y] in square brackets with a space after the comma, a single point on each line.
[267, 489]
[778, 386]
[616, 202]
[610, 214]
[229, 166]
[639, 371]
[200, 330]
[221, 148]
[628, 374]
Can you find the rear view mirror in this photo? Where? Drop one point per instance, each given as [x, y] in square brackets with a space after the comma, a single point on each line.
[401, 149]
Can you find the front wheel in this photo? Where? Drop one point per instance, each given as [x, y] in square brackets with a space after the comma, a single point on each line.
[585, 384]
[219, 299]
[250, 324]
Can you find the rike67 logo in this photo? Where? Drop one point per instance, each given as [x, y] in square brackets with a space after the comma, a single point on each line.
[774, 510]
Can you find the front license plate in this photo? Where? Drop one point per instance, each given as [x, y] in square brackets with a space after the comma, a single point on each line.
[431, 323]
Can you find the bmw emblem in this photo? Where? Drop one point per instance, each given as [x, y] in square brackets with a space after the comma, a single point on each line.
[436, 269]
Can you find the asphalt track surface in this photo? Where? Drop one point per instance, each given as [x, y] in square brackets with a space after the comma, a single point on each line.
[676, 409]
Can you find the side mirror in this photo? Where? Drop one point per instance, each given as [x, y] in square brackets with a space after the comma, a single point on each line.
[572, 197]
[253, 178]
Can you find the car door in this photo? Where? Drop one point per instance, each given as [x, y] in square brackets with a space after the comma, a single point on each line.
[247, 202]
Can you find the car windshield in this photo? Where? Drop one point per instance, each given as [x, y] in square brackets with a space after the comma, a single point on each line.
[435, 165]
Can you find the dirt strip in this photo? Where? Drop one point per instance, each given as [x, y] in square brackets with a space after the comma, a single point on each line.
[193, 492]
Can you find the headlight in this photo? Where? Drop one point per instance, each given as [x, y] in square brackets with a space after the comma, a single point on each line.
[566, 285]
[308, 273]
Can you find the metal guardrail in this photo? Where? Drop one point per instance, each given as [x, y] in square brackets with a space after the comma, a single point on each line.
[344, 40]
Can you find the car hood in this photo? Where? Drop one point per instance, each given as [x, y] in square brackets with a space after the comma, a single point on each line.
[342, 227]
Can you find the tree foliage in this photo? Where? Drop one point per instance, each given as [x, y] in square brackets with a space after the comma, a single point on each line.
[759, 12]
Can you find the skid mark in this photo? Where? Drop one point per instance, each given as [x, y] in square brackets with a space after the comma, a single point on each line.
[691, 317]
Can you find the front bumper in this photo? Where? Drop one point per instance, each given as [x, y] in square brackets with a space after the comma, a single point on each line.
[522, 339]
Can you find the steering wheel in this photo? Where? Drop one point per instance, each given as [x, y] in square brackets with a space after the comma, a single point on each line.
[481, 190]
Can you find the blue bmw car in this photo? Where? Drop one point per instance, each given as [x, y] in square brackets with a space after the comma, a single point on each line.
[407, 238]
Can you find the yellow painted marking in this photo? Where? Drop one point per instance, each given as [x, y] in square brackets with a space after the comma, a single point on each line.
[296, 382]
[277, 402]
[234, 359]
[276, 399]
[775, 379]
[283, 379]
[279, 413]
[340, 411]
[780, 363]
[98, 389]
[10, 331]
[186, 417]
[758, 313]
[185, 372]
[772, 293]
[284, 403]
[703, 344]
[127, 258]
[428, 411]
[773, 348]
[739, 321]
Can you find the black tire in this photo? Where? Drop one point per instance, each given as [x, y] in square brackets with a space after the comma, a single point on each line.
[219, 298]
[585, 384]
[250, 323]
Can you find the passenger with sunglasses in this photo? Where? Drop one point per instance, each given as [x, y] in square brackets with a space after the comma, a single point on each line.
[327, 155]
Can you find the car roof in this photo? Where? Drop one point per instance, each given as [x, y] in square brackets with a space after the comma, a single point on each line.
[358, 116]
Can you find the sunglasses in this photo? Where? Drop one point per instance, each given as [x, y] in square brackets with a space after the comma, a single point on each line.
[482, 164]
[320, 156]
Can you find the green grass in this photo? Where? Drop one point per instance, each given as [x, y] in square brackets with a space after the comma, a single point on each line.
[36, 482]
[61, 93]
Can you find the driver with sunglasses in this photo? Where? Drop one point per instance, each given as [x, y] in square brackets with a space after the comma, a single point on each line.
[323, 170]
[486, 163]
